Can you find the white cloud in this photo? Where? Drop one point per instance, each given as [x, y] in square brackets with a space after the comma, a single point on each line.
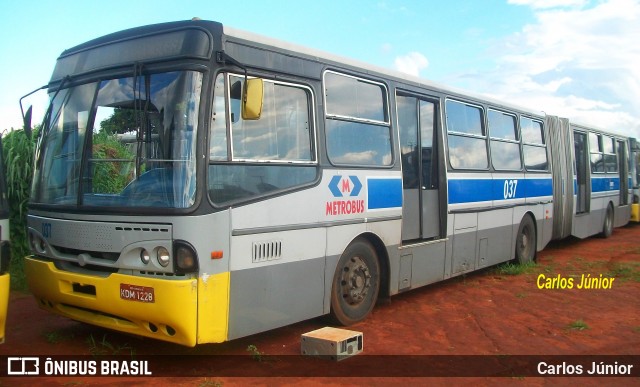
[538, 4]
[578, 63]
[412, 63]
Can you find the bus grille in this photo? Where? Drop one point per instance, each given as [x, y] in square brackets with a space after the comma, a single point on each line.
[266, 251]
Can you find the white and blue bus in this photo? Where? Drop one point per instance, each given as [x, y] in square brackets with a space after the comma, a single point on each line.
[195, 184]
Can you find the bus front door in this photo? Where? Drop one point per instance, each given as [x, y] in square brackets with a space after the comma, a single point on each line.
[421, 201]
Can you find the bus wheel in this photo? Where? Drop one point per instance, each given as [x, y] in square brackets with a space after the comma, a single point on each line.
[526, 241]
[607, 227]
[356, 283]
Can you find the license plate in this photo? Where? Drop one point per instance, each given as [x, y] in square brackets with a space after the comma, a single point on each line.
[137, 293]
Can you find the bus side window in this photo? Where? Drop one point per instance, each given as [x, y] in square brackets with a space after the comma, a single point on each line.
[467, 138]
[505, 142]
[358, 126]
[534, 146]
[429, 159]
[596, 153]
[268, 154]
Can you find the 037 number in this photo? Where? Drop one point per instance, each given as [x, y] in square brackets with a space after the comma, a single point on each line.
[510, 187]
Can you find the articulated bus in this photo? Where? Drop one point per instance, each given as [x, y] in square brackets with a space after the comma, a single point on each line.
[196, 183]
[5, 248]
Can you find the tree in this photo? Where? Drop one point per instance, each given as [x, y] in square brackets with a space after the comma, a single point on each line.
[122, 121]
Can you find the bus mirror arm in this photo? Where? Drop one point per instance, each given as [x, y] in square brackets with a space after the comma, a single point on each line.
[252, 92]
[26, 117]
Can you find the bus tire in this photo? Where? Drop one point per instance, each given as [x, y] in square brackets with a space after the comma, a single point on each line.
[526, 241]
[356, 283]
[607, 226]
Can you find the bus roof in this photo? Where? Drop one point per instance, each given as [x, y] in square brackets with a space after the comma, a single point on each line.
[323, 56]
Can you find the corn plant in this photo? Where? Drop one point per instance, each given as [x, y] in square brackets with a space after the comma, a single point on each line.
[18, 150]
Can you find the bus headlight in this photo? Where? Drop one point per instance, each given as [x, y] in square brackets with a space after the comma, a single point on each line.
[186, 258]
[144, 256]
[163, 256]
[37, 244]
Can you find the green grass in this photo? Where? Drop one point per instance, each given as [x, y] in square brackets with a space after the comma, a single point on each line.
[104, 347]
[627, 271]
[585, 264]
[578, 325]
[53, 337]
[255, 354]
[210, 383]
[510, 268]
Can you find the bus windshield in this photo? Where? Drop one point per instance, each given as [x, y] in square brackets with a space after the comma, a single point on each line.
[123, 142]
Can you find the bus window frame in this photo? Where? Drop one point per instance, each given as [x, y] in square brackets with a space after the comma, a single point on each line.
[543, 145]
[230, 160]
[614, 152]
[485, 137]
[518, 139]
[313, 142]
[387, 123]
[601, 138]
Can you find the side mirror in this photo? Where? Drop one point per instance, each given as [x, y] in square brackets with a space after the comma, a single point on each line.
[26, 119]
[253, 97]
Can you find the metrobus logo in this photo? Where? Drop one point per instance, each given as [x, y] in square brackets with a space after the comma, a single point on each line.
[345, 187]
[342, 186]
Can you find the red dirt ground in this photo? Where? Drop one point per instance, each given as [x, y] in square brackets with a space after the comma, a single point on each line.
[483, 313]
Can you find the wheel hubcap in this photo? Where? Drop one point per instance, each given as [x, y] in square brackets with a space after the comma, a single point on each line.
[356, 281]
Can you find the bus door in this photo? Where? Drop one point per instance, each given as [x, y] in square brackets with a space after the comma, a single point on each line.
[582, 174]
[417, 124]
[623, 168]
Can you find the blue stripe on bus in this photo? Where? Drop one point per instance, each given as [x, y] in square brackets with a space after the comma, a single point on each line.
[603, 184]
[384, 193]
[539, 187]
[483, 190]
[470, 190]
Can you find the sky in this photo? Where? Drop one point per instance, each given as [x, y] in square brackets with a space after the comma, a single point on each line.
[579, 59]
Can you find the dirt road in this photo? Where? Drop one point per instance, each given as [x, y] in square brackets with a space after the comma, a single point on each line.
[486, 313]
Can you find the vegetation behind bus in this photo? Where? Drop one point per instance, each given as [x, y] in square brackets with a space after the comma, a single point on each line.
[109, 177]
[18, 151]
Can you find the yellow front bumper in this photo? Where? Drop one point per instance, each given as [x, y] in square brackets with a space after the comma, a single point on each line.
[4, 303]
[177, 313]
